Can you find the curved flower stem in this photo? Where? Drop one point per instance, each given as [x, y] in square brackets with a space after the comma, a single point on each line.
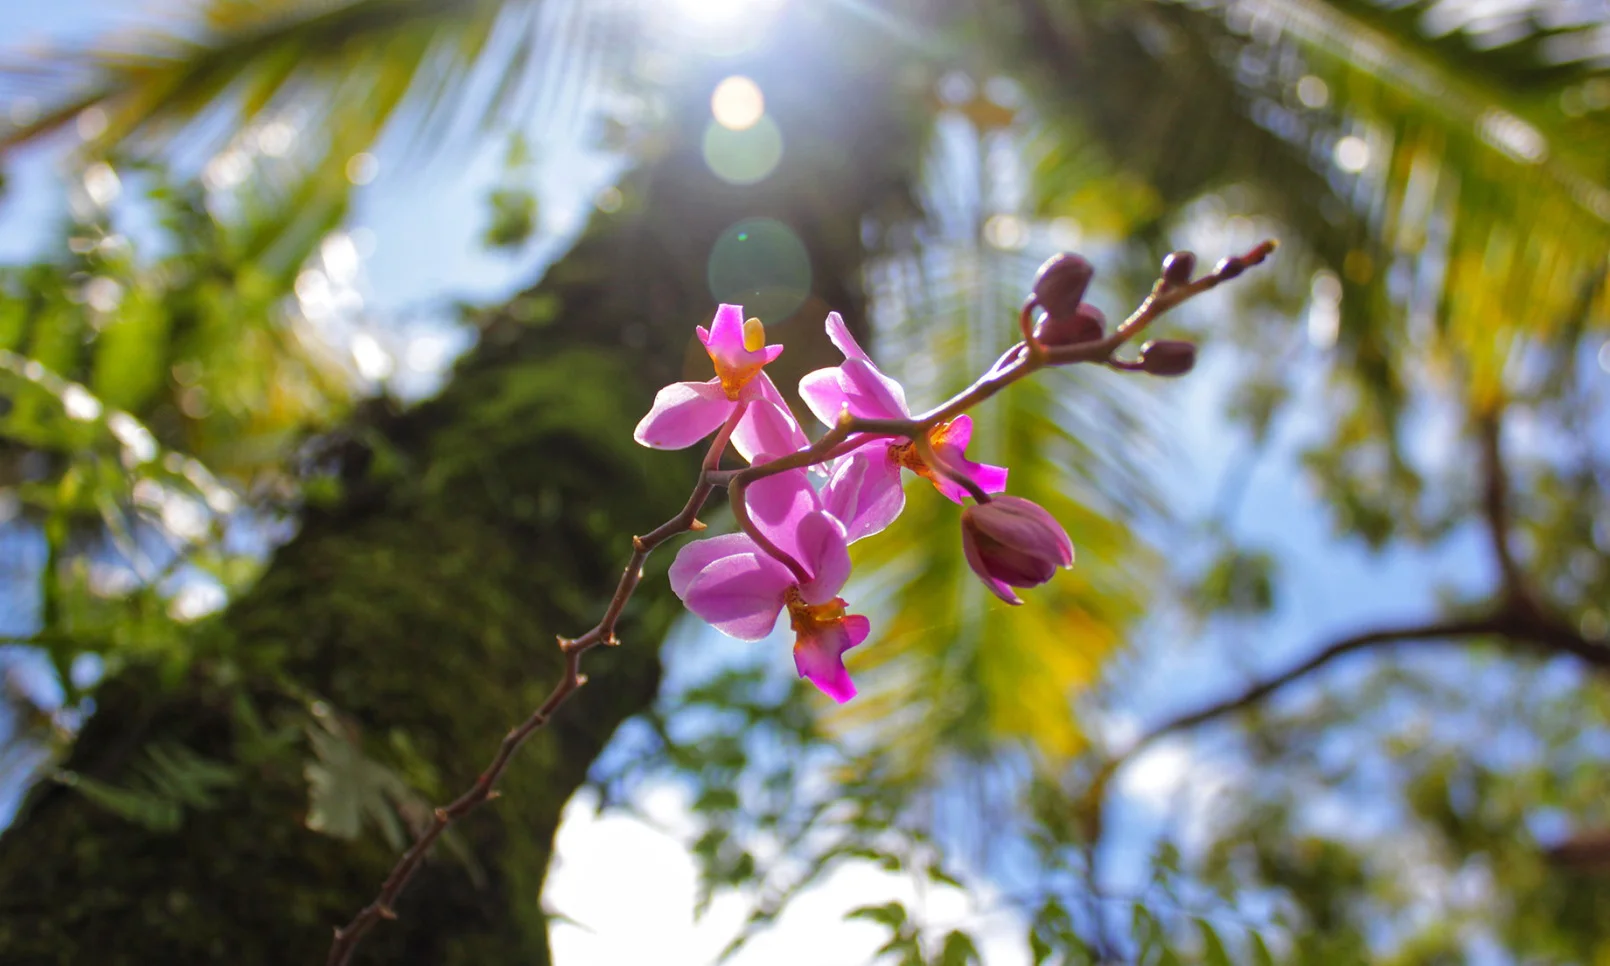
[854, 443]
[1018, 361]
[1163, 297]
[925, 449]
[1012, 366]
[1007, 358]
[740, 513]
[483, 790]
[830, 446]
[1025, 324]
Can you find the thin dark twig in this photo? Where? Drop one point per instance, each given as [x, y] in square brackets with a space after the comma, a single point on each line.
[1516, 624]
[1495, 503]
[1434, 632]
[1013, 366]
[603, 633]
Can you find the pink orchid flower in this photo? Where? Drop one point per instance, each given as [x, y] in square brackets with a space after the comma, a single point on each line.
[741, 589]
[864, 488]
[686, 412]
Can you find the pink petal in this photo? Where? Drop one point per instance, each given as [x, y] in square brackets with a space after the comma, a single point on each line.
[991, 479]
[699, 554]
[740, 595]
[864, 492]
[822, 395]
[724, 341]
[778, 504]
[825, 553]
[872, 394]
[768, 427]
[952, 448]
[726, 334]
[820, 656]
[958, 433]
[684, 413]
[839, 334]
[856, 384]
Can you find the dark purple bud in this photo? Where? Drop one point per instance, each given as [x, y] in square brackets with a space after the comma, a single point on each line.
[1177, 268]
[1059, 285]
[1012, 542]
[1229, 268]
[1085, 325]
[1167, 357]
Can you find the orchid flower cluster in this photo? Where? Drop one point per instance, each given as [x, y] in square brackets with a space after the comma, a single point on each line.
[792, 549]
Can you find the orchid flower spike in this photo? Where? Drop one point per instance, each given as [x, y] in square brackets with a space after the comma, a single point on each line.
[864, 488]
[733, 584]
[686, 412]
[1012, 542]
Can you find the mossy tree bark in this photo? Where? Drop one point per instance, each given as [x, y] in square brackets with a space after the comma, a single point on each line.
[423, 606]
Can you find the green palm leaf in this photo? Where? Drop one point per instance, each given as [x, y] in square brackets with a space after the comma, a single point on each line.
[350, 64]
[1458, 160]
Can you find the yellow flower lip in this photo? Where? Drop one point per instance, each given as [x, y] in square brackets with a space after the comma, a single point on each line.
[754, 335]
[807, 619]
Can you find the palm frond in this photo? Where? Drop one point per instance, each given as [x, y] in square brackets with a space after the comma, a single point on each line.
[978, 674]
[345, 63]
[1460, 205]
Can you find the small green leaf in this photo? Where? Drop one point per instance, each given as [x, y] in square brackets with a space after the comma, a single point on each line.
[716, 800]
[959, 950]
[146, 809]
[938, 874]
[891, 914]
[1260, 950]
[345, 787]
[1213, 951]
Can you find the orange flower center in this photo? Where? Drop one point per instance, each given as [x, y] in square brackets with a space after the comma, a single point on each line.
[734, 378]
[906, 453]
[807, 619]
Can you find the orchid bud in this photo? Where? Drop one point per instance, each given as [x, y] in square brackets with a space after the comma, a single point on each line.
[1085, 325]
[1012, 542]
[1059, 285]
[1229, 268]
[1167, 357]
[1177, 268]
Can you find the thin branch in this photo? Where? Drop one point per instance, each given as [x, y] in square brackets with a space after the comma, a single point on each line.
[1164, 296]
[1495, 504]
[1586, 852]
[349, 936]
[1013, 366]
[1516, 624]
[1436, 632]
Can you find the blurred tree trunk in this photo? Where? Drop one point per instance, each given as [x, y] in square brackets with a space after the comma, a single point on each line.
[423, 605]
